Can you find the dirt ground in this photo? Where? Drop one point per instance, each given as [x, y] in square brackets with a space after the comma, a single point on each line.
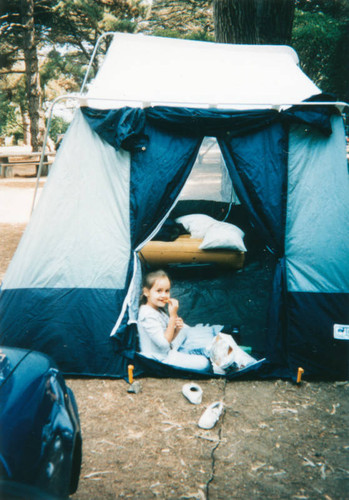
[275, 440]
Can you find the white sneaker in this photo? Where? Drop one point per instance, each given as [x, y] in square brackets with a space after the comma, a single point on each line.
[211, 415]
[193, 393]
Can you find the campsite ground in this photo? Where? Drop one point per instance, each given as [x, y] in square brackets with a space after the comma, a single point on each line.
[276, 440]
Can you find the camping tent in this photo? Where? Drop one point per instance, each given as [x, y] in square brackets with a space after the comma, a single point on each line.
[72, 287]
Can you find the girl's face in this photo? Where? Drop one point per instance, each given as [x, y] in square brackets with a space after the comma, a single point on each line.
[159, 294]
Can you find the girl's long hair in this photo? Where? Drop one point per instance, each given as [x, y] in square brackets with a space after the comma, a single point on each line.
[149, 280]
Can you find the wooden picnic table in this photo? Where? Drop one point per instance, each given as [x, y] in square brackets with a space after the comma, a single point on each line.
[8, 161]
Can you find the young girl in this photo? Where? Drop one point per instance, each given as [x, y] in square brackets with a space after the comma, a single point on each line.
[164, 336]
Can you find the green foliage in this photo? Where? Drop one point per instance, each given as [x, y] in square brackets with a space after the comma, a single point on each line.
[190, 19]
[76, 26]
[58, 126]
[172, 33]
[167, 33]
[10, 123]
[201, 35]
[69, 29]
[4, 113]
[334, 8]
[12, 104]
[319, 41]
[79, 23]
[63, 67]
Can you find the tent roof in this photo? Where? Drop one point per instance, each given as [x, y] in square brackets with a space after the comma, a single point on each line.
[144, 70]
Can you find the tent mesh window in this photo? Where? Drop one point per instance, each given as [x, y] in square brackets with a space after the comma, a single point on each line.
[209, 178]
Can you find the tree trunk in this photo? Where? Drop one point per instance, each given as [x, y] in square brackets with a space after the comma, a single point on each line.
[253, 21]
[32, 73]
[25, 125]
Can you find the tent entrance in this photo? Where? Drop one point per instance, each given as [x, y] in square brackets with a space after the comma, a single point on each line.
[208, 293]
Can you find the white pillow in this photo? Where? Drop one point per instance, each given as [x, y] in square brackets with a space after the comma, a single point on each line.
[223, 235]
[196, 224]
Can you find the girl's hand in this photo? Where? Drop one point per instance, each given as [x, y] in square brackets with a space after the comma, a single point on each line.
[179, 323]
[173, 306]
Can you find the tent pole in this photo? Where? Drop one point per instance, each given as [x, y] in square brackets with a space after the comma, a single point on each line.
[61, 98]
[42, 158]
[107, 33]
[220, 106]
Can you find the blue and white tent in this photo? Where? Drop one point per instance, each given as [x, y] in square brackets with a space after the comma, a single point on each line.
[72, 287]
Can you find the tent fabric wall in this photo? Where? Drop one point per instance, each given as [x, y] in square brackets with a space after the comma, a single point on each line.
[317, 250]
[84, 211]
[158, 174]
[258, 167]
[310, 342]
[317, 243]
[257, 163]
[66, 281]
